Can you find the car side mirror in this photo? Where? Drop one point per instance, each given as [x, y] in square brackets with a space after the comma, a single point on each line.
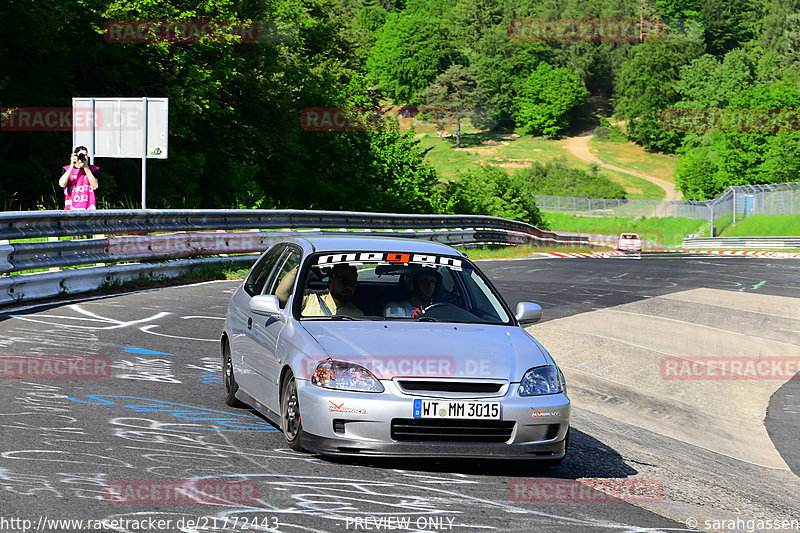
[528, 313]
[265, 304]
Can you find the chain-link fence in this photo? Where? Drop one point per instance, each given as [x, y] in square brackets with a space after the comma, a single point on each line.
[610, 207]
[741, 200]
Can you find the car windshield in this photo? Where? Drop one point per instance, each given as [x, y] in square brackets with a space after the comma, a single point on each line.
[392, 285]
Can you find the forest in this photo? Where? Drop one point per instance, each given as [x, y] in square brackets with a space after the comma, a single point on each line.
[236, 135]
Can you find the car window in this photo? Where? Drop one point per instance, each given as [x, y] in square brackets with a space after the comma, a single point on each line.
[257, 278]
[482, 302]
[285, 264]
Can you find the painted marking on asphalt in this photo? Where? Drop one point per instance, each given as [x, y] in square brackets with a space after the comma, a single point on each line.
[196, 418]
[147, 329]
[757, 285]
[142, 351]
[92, 317]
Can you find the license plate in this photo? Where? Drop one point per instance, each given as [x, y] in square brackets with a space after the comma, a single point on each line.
[451, 409]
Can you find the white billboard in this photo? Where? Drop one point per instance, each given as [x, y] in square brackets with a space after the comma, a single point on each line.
[124, 127]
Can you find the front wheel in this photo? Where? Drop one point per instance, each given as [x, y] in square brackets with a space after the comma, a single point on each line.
[290, 414]
[228, 378]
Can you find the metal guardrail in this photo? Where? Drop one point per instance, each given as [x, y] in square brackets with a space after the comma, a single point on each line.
[139, 236]
[22, 224]
[741, 243]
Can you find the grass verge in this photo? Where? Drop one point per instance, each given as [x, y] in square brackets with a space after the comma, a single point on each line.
[631, 156]
[760, 225]
[668, 231]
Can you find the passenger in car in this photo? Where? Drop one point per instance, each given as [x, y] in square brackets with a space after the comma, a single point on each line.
[424, 285]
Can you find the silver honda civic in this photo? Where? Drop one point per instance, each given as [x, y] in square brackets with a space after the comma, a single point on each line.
[375, 346]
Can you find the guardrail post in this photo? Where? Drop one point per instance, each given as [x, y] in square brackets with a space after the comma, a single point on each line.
[711, 219]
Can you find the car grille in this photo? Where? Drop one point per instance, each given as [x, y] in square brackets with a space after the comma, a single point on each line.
[469, 387]
[412, 429]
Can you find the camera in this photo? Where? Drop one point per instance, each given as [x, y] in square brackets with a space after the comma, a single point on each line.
[82, 157]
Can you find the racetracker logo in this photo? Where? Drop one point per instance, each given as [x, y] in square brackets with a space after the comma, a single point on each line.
[585, 30]
[205, 491]
[55, 366]
[48, 119]
[375, 118]
[179, 244]
[390, 366]
[730, 368]
[339, 119]
[199, 31]
[408, 366]
[730, 120]
[589, 490]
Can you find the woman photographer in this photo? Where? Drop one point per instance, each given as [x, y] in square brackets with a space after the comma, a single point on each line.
[79, 181]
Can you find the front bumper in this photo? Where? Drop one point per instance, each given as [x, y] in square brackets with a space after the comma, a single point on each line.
[360, 424]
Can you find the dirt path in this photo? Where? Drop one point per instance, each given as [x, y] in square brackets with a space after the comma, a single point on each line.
[579, 146]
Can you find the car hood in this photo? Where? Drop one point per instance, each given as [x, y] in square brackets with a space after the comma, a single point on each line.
[419, 349]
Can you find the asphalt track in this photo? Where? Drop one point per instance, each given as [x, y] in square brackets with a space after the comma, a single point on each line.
[160, 417]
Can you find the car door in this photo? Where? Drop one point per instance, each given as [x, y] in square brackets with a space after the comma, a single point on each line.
[264, 333]
[241, 318]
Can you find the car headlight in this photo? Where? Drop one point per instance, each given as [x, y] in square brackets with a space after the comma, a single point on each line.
[541, 380]
[342, 375]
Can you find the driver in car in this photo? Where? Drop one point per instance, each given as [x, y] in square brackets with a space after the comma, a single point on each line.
[337, 300]
[424, 283]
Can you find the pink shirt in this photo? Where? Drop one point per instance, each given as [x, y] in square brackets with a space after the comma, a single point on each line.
[78, 194]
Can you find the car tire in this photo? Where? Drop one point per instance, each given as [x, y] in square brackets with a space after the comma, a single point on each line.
[291, 423]
[228, 378]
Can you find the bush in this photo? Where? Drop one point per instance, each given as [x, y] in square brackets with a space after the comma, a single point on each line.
[546, 99]
[608, 132]
[489, 190]
[557, 178]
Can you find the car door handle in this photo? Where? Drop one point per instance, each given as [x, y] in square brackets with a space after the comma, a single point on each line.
[249, 322]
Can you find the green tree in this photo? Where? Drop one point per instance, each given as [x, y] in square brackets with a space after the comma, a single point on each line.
[646, 84]
[727, 24]
[458, 92]
[470, 19]
[709, 82]
[679, 9]
[490, 190]
[695, 172]
[546, 99]
[502, 66]
[411, 49]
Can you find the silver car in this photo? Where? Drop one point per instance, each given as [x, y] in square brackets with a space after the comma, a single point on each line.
[372, 346]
